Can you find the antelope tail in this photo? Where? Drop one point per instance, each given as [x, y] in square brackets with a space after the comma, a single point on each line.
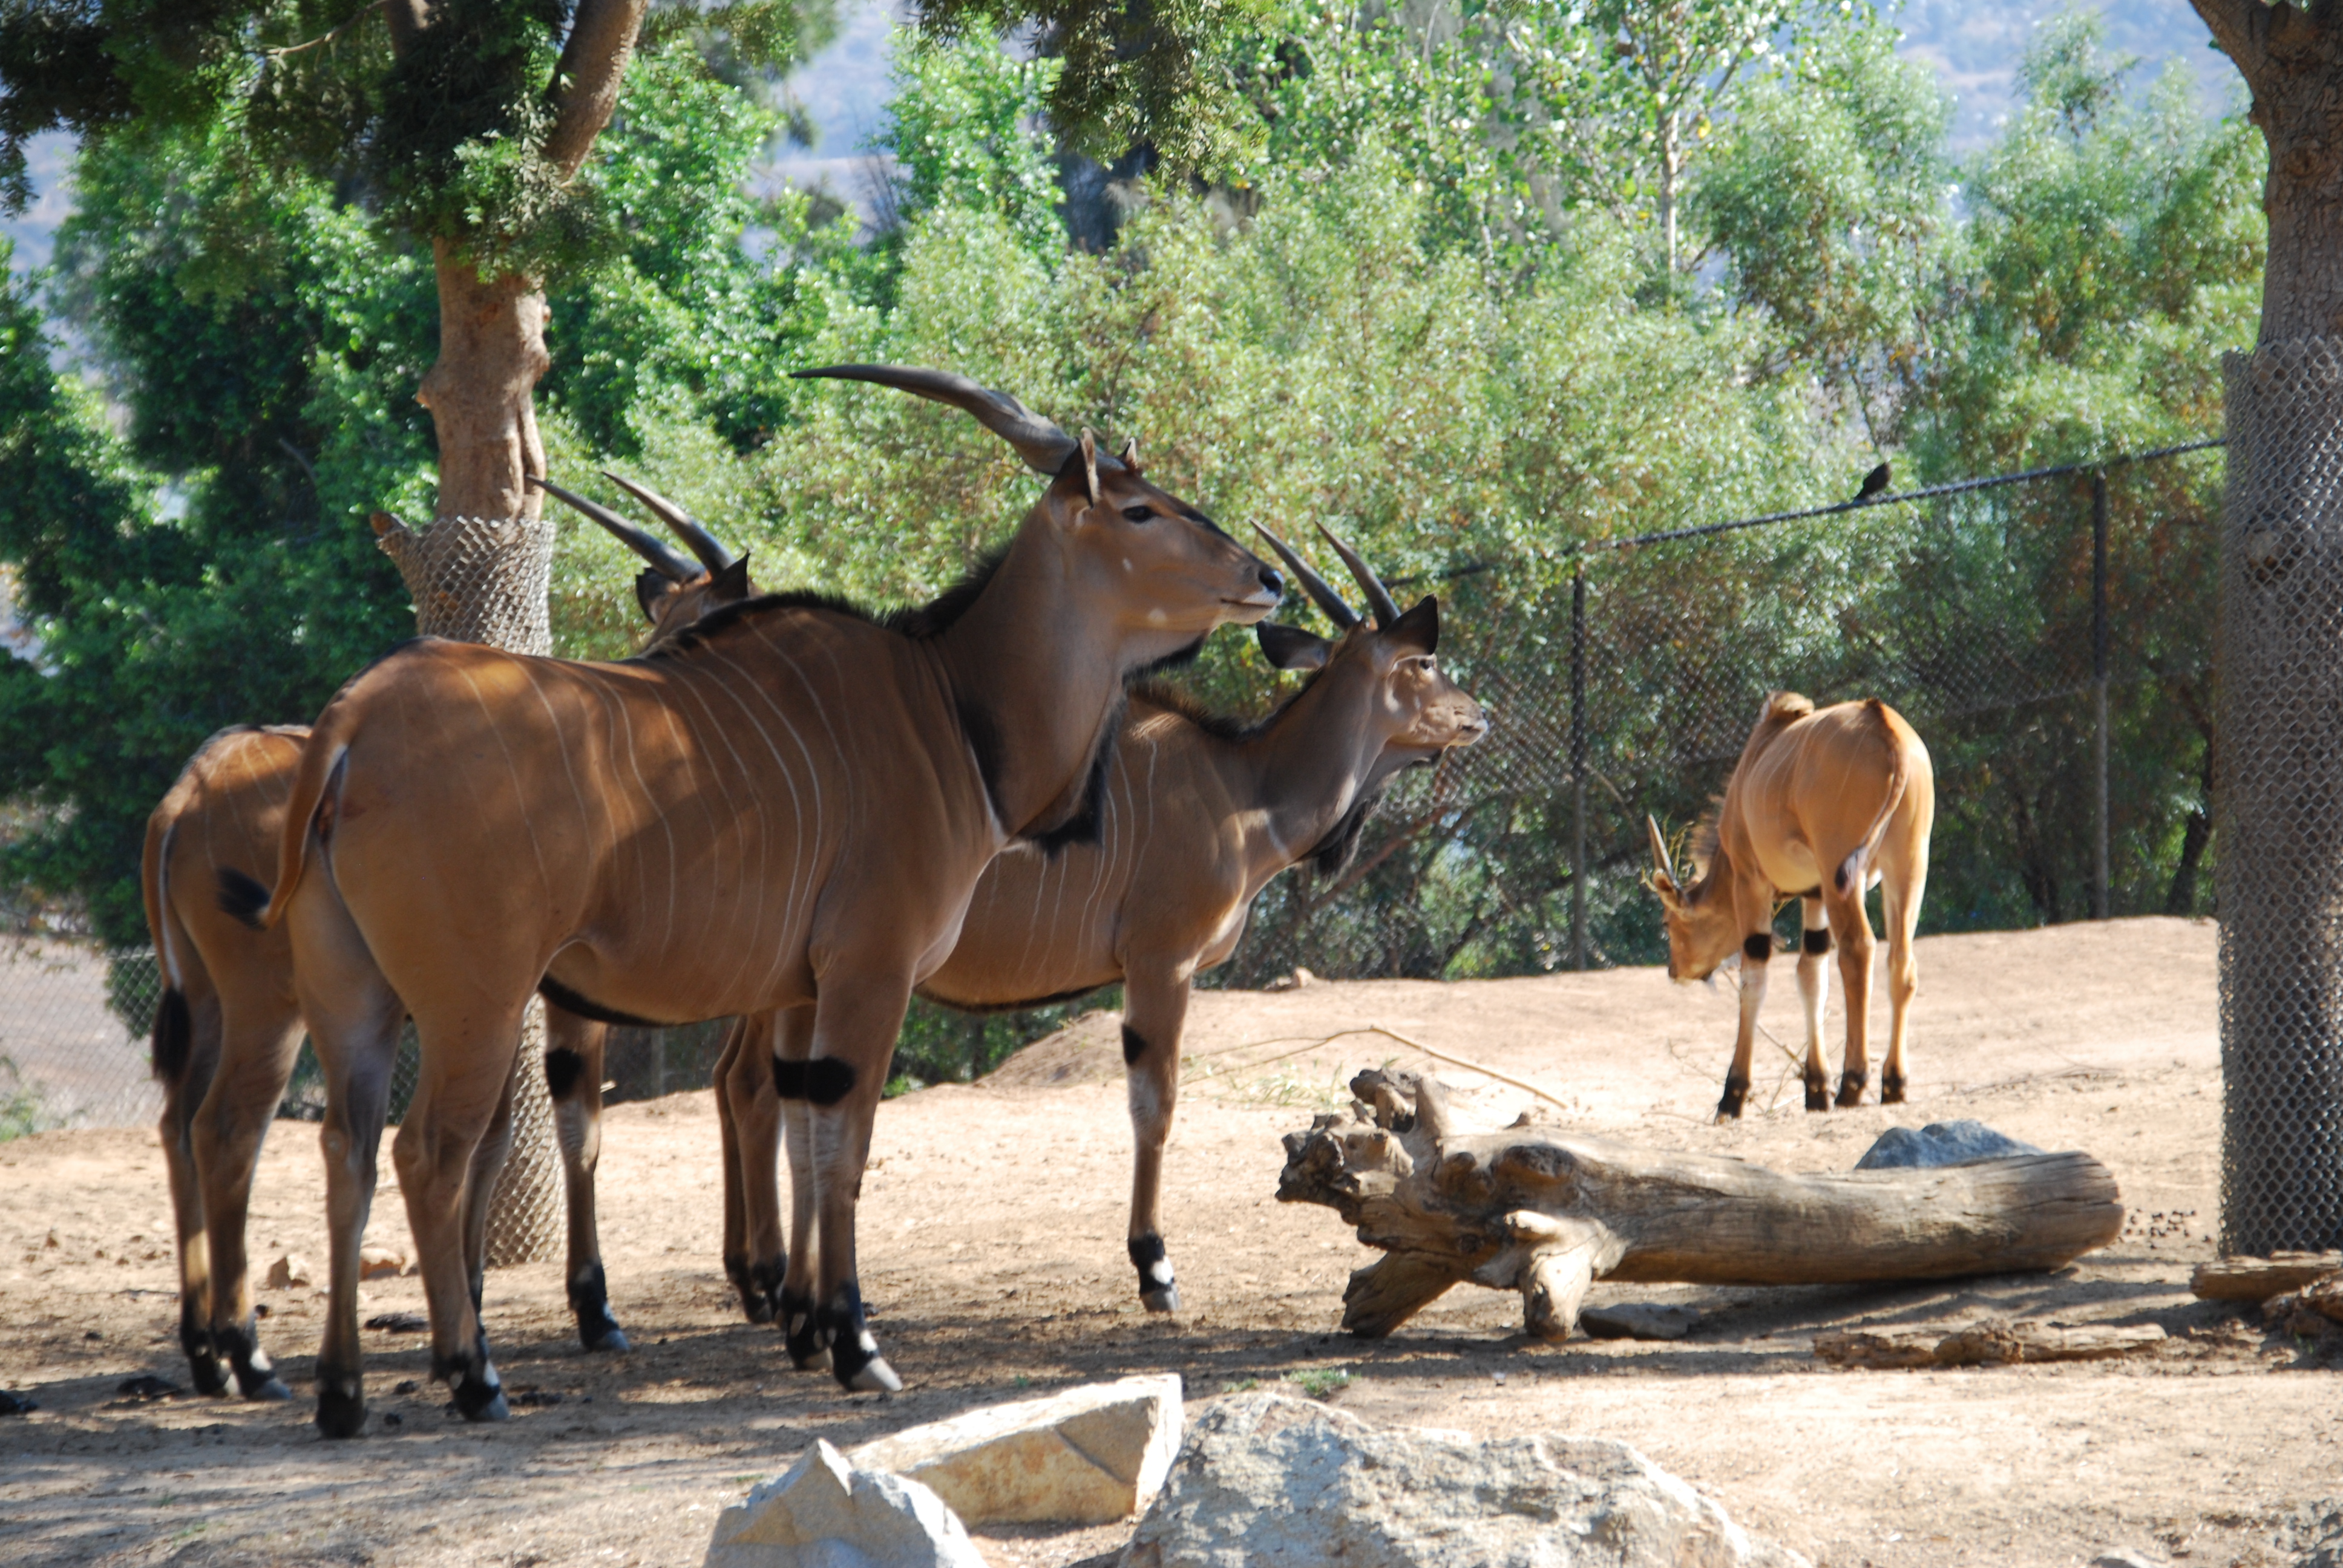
[1853, 869]
[174, 1032]
[241, 894]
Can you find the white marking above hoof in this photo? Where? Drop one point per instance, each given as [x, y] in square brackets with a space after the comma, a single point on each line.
[875, 1377]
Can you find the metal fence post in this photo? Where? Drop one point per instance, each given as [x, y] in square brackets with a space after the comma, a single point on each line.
[2099, 898]
[1578, 767]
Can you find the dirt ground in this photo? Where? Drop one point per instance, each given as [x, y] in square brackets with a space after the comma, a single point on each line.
[992, 1243]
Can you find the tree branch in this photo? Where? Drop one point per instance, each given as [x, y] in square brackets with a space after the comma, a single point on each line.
[585, 82]
[2241, 30]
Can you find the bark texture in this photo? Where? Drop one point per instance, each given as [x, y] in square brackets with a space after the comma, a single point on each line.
[1546, 1212]
[482, 390]
[2292, 59]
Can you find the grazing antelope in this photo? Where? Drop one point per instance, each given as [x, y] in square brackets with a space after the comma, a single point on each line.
[1199, 814]
[228, 1026]
[1824, 803]
[788, 804]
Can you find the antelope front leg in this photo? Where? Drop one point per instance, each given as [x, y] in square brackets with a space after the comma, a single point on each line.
[1154, 1017]
[257, 1061]
[736, 1098]
[1851, 927]
[754, 1253]
[1754, 952]
[574, 1052]
[1814, 990]
[792, 1032]
[480, 1187]
[855, 1020]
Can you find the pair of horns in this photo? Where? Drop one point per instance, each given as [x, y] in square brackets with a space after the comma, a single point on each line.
[1044, 446]
[711, 555]
[1667, 878]
[1379, 598]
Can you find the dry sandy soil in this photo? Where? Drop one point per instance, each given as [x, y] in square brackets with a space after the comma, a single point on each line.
[992, 1246]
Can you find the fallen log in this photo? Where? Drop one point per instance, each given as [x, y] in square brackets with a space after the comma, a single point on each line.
[1987, 1342]
[1545, 1212]
[2260, 1278]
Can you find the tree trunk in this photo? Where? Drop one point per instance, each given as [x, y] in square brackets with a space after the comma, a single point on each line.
[482, 391]
[1548, 1214]
[2293, 61]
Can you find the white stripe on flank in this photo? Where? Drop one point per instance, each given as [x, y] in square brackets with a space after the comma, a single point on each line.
[543, 878]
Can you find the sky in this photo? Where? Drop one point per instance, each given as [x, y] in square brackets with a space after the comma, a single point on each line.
[1975, 44]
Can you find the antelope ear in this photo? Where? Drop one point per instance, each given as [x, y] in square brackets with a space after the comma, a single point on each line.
[649, 589]
[1130, 453]
[1419, 629]
[1089, 462]
[731, 584]
[1291, 648]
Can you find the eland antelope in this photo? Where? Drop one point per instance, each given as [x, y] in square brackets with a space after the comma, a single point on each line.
[790, 803]
[1199, 814]
[228, 1025]
[1824, 803]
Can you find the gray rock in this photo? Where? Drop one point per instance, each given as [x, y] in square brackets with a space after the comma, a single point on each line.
[2313, 1534]
[825, 1513]
[1638, 1321]
[1268, 1481]
[1085, 1456]
[1939, 1143]
[2124, 1557]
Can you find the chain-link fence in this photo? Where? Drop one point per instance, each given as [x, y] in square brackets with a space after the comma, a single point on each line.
[2281, 817]
[2049, 634]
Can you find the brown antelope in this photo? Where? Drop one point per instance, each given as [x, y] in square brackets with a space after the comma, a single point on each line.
[1199, 814]
[228, 1026]
[1823, 804]
[788, 804]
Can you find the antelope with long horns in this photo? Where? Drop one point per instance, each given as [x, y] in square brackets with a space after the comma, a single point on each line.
[228, 1025]
[1824, 804]
[790, 804]
[1199, 814]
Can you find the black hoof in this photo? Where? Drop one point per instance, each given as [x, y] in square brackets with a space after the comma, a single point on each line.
[1158, 1290]
[261, 1382]
[802, 1330]
[341, 1410]
[611, 1341]
[1891, 1089]
[477, 1398]
[1736, 1095]
[854, 1358]
[1818, 1097]
[1850, 1088]
[207, 1373]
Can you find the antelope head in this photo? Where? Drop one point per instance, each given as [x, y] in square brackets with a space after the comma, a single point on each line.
[1170, 573]
[673, 592]
[1702, 930]
[1382, 674]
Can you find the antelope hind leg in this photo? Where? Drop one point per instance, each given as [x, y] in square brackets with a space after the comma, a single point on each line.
[801, 1324]
[256, 1056]
[186, 1052]
[750, 1097]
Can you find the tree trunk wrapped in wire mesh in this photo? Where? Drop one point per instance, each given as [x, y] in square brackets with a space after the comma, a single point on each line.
[2280, 810]
[484, 579]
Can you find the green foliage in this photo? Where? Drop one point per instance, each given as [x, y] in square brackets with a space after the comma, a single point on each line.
[962, 128]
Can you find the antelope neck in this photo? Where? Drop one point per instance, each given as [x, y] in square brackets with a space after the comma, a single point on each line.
[1036, 666]
[1301, 772]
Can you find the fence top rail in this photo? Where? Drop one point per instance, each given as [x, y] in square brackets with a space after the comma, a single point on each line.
[1903, 497]
[1580, 551]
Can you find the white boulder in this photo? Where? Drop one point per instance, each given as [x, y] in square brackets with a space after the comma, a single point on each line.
[1086, 1456]
[825, 1513]
[1265, 1480]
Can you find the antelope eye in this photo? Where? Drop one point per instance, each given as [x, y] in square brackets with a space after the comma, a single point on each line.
[1139, 514]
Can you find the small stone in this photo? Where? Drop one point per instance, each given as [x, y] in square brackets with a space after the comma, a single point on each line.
[826, 1513]
[1938, 1144]
[1638, 1321]
[290, 1272]
[2124, 1557]
[1090, 1455]
[380, 1263]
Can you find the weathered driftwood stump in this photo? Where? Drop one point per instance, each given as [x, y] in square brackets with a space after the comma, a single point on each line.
[1546, 1212]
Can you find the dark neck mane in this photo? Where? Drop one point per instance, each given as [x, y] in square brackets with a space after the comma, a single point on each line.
[920, 623]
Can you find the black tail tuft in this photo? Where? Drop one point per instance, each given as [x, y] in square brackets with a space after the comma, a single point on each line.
[242, 897]
[175, 1036]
